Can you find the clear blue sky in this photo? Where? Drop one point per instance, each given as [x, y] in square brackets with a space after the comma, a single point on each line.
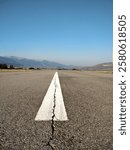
[77, 32]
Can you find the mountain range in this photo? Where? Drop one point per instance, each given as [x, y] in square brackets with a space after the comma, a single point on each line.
[24, 62]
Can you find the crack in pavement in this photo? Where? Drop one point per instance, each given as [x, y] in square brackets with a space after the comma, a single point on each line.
[52, 120]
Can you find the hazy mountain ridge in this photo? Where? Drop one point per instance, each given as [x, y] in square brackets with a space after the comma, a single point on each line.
[103, 66]
[24, 62]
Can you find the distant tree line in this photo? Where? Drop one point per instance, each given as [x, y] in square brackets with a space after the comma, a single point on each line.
[5, 66]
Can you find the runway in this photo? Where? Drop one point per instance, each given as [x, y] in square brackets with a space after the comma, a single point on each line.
[87, 99]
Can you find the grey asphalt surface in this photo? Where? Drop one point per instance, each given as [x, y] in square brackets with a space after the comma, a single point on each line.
[88, 102]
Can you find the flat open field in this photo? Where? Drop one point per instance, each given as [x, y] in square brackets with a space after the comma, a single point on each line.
[88, 102]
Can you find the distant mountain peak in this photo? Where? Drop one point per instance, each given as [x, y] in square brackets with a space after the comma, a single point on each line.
[25, 62]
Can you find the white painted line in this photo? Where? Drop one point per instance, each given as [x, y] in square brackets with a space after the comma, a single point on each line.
[53, 96]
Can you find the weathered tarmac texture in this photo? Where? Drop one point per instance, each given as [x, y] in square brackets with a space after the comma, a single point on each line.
[88, 102]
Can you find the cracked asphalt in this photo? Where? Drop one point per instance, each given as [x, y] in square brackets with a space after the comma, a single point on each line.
[52, 120]
[88, 101]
